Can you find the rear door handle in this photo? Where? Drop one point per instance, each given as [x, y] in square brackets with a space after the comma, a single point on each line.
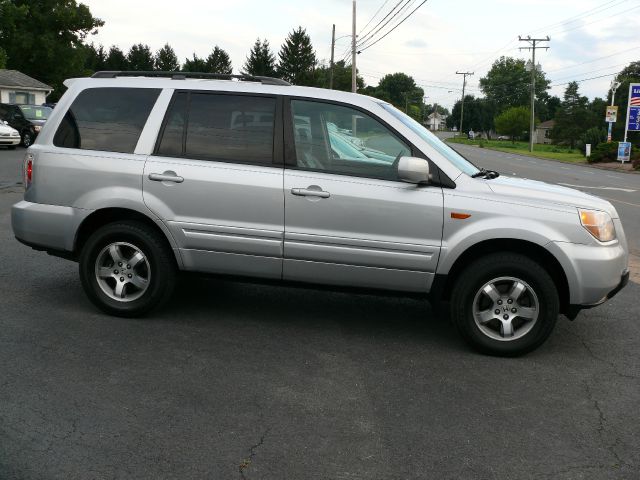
[164, 177]
[305, 192]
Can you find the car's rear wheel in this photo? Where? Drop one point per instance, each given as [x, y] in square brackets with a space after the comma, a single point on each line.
[27, 139]
[505, 304]
[127, 269]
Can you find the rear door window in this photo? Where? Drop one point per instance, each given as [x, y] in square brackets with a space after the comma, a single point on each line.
[106, 119]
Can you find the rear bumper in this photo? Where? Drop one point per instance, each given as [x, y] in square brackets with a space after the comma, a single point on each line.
[46, 227]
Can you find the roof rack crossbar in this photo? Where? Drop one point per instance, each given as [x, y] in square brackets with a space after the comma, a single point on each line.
[185, 75]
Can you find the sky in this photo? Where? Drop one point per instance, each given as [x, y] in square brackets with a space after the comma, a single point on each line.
[589, 38]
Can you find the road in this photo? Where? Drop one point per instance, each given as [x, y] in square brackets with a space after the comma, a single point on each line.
[233, 380]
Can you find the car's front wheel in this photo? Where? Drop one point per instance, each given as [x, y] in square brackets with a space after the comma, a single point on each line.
[127, 269]
[505, 304]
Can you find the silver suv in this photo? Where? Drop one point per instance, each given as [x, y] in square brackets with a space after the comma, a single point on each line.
[137, 176]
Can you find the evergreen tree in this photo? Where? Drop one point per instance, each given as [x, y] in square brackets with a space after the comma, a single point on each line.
[196, 64]
[166, 59]
[140, 58]
[95, 58]
[261, 60]
[116, 59]
[3, 58]
[629, 74]
[218, 61]
[572, 118]
[297, 60]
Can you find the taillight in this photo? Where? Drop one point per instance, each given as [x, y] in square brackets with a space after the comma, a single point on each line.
[28, 170]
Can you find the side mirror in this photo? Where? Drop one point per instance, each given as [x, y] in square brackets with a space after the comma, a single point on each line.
[413, 170]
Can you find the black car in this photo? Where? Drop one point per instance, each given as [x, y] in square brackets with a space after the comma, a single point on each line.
[27, 119]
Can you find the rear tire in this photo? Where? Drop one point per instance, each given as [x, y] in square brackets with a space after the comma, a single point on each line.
[27, 139]
[127, 269]
[505, 304]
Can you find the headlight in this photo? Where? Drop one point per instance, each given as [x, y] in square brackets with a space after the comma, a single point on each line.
[37, 128]
[598, 223]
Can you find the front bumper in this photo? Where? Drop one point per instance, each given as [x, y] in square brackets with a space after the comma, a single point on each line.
[9, 141]
[573, 310]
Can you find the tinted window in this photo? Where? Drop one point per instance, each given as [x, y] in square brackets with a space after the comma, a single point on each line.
[345, 141]
[230, 128]
[171, 142]
[107, 119]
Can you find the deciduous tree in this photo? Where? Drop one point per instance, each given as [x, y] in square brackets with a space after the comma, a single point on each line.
[341, 77]
[514, 121]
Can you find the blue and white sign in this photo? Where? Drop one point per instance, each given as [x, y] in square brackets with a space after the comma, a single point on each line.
[633, 121]
[624, 151]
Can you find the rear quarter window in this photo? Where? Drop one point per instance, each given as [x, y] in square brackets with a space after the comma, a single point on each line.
[106, 119]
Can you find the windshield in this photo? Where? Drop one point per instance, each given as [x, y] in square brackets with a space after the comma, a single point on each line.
[442, 148]
[33, 112]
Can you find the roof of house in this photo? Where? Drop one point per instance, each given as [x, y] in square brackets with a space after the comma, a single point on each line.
[437, 115]
[14, 78]
[547, 124]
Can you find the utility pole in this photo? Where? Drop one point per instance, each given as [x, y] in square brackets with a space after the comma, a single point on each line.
[534, 44]
[353, 50]
[464, 84]
[333, 46]
[614, 86]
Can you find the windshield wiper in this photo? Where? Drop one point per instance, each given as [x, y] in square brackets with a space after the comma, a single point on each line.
[488, 174]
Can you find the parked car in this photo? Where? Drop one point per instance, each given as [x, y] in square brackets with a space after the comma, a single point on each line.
[137, 178]
[471, 135]
[27, 119]
[503, 137]
[9, 137]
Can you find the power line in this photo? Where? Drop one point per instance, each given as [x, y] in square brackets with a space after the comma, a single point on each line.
[587, 13]
[584, 79]
[383, 19]
[403, 20]
[374, 16]
[365, 40]
[595, 59]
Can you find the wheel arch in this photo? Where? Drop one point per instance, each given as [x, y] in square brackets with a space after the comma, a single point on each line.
[529, 249]
[104, 216]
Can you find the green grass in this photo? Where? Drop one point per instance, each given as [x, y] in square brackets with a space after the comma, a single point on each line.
[551, 152]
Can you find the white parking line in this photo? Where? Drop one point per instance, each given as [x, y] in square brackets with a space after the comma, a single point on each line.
[564, 168]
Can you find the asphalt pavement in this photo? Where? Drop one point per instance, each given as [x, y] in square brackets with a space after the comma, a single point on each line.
[233, 380]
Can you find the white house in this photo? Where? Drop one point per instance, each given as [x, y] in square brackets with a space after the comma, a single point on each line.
[543, 131]
[16, 87]
[436, 121]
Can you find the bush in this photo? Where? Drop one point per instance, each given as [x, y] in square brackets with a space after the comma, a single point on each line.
[604, 152]
[595, 136]
[635, 161]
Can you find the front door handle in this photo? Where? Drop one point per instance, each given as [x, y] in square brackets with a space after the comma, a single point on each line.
[306, 192]
[165, 177]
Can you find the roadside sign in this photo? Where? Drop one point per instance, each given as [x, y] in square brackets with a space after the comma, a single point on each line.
[633, 110]
[612, 114]
[587, 148]
[624, 151]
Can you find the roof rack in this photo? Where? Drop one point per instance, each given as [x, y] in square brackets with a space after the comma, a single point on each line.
[185, 75]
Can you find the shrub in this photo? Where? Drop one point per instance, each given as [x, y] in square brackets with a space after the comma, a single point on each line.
[595, 136]
[604, 152]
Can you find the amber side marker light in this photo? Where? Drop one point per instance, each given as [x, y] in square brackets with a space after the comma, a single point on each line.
[460, 216]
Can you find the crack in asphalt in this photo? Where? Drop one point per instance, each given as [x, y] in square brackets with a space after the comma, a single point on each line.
[252, 453]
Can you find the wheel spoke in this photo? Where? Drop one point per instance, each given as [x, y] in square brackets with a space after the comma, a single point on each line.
[136, 259]
[517, 290]
[105, 272]
[139, 282]
[119, 290]
[506, 328]
[492, 292]
[526, 313]
[116, 254]
[485, 316]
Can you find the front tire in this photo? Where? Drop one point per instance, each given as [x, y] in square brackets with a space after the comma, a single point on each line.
[505, 304]
[127, 269]
[27, 139]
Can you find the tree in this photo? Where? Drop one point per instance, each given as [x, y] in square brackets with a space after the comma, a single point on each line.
[341, 77]
[44, 39]
[196, 64]
[140, 58]
[478, 114]
[3, 58]
[508, 84]
[572, 119]
[166, 59]
[95, 58]
[218, 61]
[629, 74]
[116, 59]
[261, 60]
[400, 89]
[514, 121]
[297, 59]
